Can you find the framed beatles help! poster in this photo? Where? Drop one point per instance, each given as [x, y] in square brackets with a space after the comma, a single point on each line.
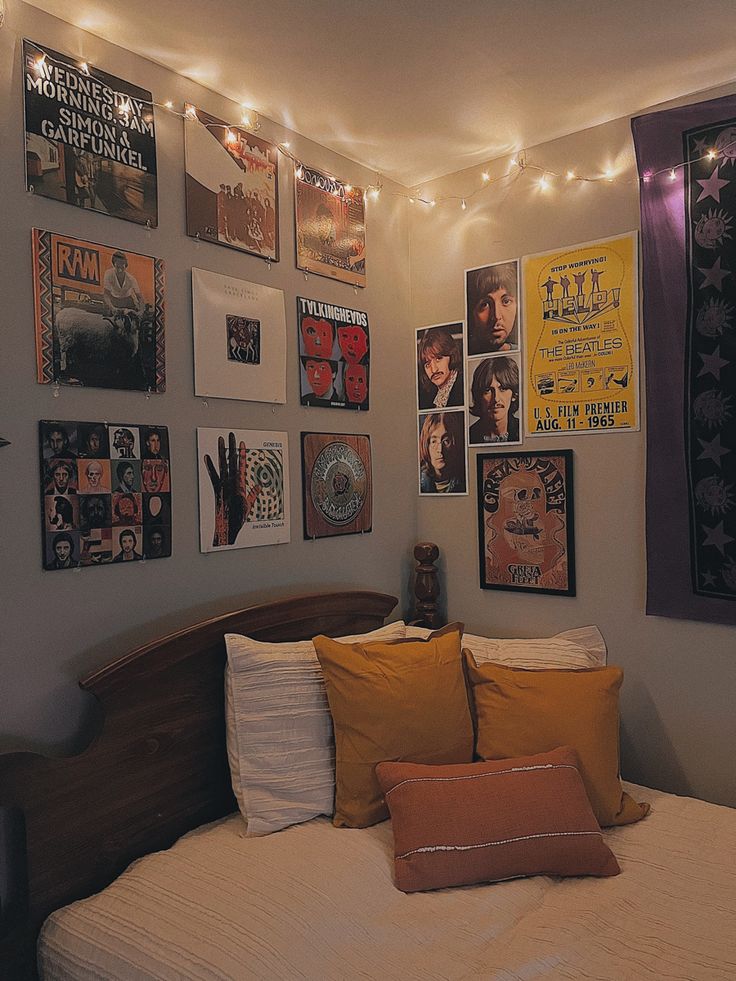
[243, 488]
[330, 226]
[232, 185]
[90, 137]
[334, 355]
[337, 484]
[239, 339]
[581, 342]
[105, 493]
[99, 315]
[525, 522]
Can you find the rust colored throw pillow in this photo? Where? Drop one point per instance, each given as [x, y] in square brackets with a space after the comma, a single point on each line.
[485, 822]
[393, 700]
[520, 712]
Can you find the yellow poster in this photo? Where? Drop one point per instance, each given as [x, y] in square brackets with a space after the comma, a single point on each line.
[581, 327]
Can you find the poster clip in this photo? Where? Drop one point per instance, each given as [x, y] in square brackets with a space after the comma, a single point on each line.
[273, 410]
[268, 264]
[148, 393]
[306, 276]
[31, 189]
[148, 224]
[205, 403]
[355, 289]
[57, 390]
[197, 235]
[77, 568]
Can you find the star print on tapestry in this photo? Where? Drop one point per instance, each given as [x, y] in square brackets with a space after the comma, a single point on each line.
[686, 159]
[710, 189]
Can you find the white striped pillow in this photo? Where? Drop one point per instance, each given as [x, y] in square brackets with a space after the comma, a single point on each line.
[583, 647]
[280, 744]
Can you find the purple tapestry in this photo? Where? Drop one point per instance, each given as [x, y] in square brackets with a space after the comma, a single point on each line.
[688, 216]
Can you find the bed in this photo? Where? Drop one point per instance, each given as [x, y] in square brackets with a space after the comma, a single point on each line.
[132, 862]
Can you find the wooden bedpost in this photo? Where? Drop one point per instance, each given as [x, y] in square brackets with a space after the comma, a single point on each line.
[427, 586]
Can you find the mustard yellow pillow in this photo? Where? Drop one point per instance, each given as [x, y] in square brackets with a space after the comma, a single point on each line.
[521, 712]
[402, 700]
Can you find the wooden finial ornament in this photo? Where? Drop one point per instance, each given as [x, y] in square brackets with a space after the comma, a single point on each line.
[427, 586]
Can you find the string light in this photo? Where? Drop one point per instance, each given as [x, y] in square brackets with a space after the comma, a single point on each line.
[519, 163]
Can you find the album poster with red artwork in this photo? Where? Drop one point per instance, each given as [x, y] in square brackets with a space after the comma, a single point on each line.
[334, 355]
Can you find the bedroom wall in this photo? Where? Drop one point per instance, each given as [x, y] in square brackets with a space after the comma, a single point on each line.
[679, 725]
[55, 628]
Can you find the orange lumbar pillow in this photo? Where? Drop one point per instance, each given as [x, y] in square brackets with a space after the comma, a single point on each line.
[485, 822]
[521, 712]
[398, 700]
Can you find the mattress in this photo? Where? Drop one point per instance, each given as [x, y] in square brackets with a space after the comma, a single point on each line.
[316, 902]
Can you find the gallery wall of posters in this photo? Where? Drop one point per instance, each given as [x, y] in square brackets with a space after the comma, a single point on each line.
[243, 488]
[330, 227]
[525, 522]
[239, 339]
[105, 493]
[334, 355]
[232, 181]
[443, 462]
[99, 315]
[90, 137]
[582, 338]
[337, 484]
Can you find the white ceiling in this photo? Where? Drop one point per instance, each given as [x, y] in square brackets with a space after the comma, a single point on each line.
[415, 89]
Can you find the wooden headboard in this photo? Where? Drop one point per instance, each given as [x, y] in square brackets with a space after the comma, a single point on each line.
[156, 767]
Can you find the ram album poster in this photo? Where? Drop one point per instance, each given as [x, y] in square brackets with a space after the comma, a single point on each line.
[334, 355]
[90, 137]
[337, 484]
[330, 227]
[582, 338]
[99, 315]
[525, 522]
[243, 488]
[239, 339]
[105, 493]
[232, 181]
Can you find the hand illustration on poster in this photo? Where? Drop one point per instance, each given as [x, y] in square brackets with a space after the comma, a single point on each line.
[243, 488]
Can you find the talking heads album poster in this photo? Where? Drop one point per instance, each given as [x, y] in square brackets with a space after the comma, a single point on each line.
[330, 226]
[239, 339]
[232, 185]
[337, 484]
[243, 488]
[334, 355]
[99, 315]
[90, 137]
[525, 522]
[105, 493]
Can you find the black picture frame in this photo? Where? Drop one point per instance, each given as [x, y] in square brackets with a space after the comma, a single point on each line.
[543, 544]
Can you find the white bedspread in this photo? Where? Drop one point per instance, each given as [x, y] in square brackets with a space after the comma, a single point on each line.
[317, 902]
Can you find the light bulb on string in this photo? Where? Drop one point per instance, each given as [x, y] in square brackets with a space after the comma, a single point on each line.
[543, 183]
[673, 174]
[39, 63]
[712, 154]
[570, 175]
[463, 205]
[486, 176]
[191, 112]
[168, 104]
[230, 137]
[84, 68]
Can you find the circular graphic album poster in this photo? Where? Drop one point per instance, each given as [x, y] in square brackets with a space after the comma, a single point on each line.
[337, 484]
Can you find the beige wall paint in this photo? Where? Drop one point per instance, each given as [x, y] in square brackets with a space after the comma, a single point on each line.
[678, 719]
[57, 627]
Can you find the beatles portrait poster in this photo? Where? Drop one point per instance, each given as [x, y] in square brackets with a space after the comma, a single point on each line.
[582, 338]
[239, 339]
[494, 399]
[337, 484]
[330, 227]
[232, 183]
[443, 456]
[90, 137]
[99, 315]
[105, 493]
[493, 308]
[525, 522]
[440, 355]
[243, 488]
[334, 355]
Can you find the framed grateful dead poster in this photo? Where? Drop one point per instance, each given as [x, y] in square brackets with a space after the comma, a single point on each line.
[337, 484]
[330, 226]
[105, 493]
[525, 522]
